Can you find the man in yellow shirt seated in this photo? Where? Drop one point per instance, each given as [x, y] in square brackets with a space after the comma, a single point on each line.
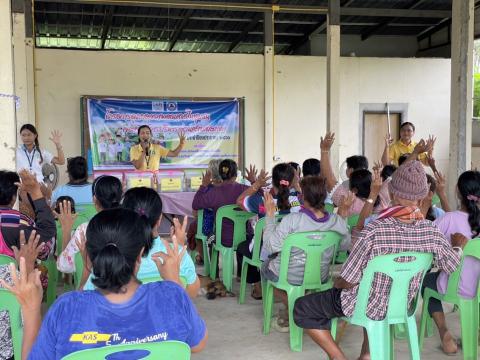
[405, 145]
[146, 155]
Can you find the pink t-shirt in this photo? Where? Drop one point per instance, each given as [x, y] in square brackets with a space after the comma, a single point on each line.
[451, 223]
[341, 190]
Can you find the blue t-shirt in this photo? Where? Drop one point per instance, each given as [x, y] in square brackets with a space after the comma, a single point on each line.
[254, 203]
[81, 194]
[81, 320]
[148, 268]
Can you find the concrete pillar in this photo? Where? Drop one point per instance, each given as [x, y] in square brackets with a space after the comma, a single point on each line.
[269, 86]
[7, 90]
[461, 92]
[333, 77]
[23, 71]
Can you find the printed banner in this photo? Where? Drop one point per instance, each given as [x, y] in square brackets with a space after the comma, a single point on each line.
[211, 128]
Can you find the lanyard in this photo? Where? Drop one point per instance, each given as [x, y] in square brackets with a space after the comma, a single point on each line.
[30, 160]
[147, 155]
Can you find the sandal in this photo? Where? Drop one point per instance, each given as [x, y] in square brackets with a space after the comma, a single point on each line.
[280, 324]
[255, 295]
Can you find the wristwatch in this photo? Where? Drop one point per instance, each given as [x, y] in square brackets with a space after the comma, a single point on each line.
[370, 201]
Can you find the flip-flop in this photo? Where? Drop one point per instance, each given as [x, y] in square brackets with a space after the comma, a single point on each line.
[440, 347]
[256, 297]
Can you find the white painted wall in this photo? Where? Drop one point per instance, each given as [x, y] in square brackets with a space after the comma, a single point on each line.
[300, 93]
[7, 90]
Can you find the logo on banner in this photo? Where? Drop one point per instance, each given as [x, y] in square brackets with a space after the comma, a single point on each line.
[172, 106]
[157, 106]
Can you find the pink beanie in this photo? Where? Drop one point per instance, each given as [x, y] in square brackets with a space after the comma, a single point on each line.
[409, 181]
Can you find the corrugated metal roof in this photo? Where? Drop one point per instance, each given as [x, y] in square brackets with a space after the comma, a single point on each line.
[96, 26]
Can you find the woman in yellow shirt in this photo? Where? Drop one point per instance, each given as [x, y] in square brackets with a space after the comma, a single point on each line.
[405, 145]
[146, 155]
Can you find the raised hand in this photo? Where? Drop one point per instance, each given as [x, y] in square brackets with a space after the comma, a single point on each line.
[377, 166]
[29, 183]
[441, 182]
[56, 137]
[261, 180]
[376, 184]
[65, 215]
[327, 142]
[251, 174]
[269, 203]
[421, 147]
[347, 201]
[182, 137]
[388, 140]
[207, 178]
[27, 289]
[168, 264]
[28, 250]
[179, 231]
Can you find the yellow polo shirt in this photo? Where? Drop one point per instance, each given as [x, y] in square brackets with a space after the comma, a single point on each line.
[398, 148]
[151, 162]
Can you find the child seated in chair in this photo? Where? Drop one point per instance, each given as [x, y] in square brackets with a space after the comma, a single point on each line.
[312, 217]
[399, 228]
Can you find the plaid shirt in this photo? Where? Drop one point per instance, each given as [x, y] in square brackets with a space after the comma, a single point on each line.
[391, 236]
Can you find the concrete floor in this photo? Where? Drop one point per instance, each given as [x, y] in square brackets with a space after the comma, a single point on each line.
[235, 332]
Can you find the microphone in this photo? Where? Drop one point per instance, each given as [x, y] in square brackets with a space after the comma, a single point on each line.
[147, 147]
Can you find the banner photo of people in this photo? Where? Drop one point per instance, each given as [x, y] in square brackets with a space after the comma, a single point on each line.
[188, 134]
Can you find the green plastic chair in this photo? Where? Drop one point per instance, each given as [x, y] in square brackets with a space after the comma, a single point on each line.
[313, 244]
[436, 201]
[86, 210]
[352, 221]
[8, 302]
[7, 260]
[330, 208]
[380, 332]
[163, 350]
[203, 238]
[239, 219]
[468, 308]
[255, 260]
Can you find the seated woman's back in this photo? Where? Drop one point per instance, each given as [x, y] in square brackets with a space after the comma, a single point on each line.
[214, 197]
[310, 218]
[120, 310]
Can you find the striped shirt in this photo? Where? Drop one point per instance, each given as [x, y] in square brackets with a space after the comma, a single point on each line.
[391, 236]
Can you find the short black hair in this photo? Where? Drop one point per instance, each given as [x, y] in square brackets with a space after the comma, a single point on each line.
[77, 168]
[403, 158]
[108, 191]
[110, 247]
[360, 180]
[314, 191]
[387, 171]
[8, 189]
[143, 127]
[227, 169]
[406, 123]
[357, 162]
[311, 167]
[62, 199]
